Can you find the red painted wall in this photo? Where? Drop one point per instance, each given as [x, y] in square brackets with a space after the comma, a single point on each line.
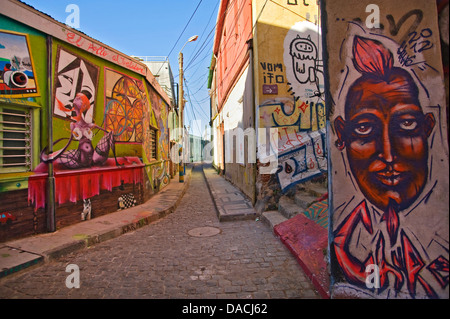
[234, 29]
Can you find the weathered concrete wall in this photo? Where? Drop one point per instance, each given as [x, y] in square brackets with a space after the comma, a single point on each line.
[388, 149]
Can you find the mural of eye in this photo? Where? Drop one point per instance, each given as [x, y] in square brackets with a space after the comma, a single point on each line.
[408, 125]
[363, 129]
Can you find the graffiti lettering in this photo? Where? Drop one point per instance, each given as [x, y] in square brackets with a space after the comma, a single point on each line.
[98, 50]
[74, 39]
[103, 52]
[292, 112]
[128, 63]
[416, 43]
[395, 28]
[302, 161]
[269, 72]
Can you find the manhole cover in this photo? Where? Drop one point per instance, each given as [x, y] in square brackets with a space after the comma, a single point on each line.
[206, 231]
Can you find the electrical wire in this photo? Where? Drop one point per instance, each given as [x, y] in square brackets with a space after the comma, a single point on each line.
[192, 105]
[179, 37]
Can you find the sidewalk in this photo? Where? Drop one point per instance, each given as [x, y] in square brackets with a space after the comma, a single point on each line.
[230, 203]
[19, 254]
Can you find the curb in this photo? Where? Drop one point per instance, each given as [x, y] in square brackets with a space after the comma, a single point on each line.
[221, 212]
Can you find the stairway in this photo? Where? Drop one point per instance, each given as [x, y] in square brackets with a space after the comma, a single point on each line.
[301, 223]
[301, 202]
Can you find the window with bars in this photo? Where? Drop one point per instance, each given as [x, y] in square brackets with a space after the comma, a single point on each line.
[153, 143]
[15, 139]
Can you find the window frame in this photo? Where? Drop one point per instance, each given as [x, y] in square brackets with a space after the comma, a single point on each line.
[28, 138]
[153, 142]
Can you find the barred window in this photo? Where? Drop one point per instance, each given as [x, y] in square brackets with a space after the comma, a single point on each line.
[153, 143]
[15, 139]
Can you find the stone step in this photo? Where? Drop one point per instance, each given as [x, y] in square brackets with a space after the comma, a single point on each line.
[304, 199]
[288, 208]
[272, 218]
[316, 190]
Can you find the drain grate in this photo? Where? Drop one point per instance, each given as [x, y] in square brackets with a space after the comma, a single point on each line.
[207, 231]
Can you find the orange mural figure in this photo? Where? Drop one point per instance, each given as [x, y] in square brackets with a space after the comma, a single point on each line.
[385, 133]
[386, 130]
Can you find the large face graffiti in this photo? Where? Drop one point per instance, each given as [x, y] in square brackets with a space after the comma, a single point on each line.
[74, 75]
[386, 133]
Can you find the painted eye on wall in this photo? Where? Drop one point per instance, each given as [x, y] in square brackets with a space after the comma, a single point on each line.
[408, 125]
[363, 129]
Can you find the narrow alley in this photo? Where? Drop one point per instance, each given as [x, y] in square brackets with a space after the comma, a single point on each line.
[224, 149]
[174, 258]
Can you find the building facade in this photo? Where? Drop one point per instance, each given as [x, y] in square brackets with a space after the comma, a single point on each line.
[353, 96]
[267, 97]
[83, 127]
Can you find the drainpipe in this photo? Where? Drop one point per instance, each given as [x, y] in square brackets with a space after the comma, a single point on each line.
[255, 169]
[50, 198]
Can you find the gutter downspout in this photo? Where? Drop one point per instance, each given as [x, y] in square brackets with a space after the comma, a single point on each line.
[254, 169]
[50, 195]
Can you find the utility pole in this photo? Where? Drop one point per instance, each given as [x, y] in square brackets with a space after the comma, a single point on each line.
[181, 105]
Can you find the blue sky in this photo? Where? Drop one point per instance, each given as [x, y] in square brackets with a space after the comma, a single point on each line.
[151, 28]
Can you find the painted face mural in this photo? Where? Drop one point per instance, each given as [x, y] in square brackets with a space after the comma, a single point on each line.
[385, 131]
[74, 75]
[386, 138]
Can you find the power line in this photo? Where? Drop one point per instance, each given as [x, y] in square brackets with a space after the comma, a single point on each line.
[198, 5]
[192, 105]
[203, 32]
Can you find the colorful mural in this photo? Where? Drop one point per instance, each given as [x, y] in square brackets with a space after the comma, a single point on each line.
[300, 115]
[125, 102]
[74, 75]
[101, 116]
[17, 74]
[160, 111]
[157, 117]
[389, 210]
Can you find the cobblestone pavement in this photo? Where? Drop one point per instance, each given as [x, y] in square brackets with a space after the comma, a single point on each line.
[174, 258]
